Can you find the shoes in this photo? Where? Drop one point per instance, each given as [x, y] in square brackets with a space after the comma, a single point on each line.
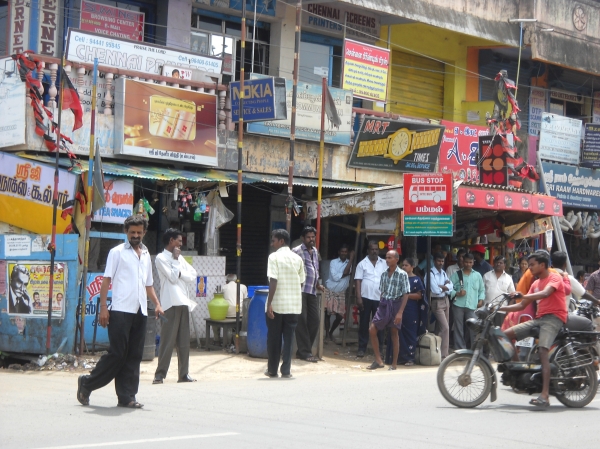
[186, 378]
[271, 375]
[360, 354]
[286, 376]
[311, 359]
[83, 396]
[157, 380]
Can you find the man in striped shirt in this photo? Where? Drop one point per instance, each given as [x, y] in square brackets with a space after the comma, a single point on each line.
[394, 289]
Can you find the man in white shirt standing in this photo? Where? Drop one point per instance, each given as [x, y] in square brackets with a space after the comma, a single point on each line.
[497, 282]
[230, 294]
[175, 276]
[367, 277]
[129, 269]
[440, 287]
[459, 263]
[335, 293]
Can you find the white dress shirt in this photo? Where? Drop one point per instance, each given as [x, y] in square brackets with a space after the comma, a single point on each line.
[337, 282]
[370, 276]
[130, 275]
[577, 290]
[495, 286]
[230, 294]
[175, 275]
[439, 278]
[451, 270]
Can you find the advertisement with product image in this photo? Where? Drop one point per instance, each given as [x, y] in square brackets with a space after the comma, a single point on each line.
[459, 150]
[159, 122]
[29, 288]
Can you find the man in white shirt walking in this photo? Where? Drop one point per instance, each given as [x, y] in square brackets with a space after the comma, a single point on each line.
[175, 275]
[129, 269]
[497, 282]
[440, 287]
[367, 277]
[285, 271]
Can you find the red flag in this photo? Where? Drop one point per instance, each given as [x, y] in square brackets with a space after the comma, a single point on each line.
[70, 100]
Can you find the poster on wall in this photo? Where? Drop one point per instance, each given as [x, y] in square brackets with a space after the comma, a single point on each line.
[159, 122]
[428, 204]
[26, 191]
[12, 98]
[590, 155]
[29, 287]
[111, 21]
[366, 70]
[118, 195]
[459, 150]
[92, 294]
[308, 115]
[560, 138]
[395, 145]
[537, 106]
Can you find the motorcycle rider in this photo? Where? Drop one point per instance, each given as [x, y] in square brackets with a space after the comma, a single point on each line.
[549, 291]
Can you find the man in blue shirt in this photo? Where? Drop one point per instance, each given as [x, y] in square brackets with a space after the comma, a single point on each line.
[336, 286]
[440, 287]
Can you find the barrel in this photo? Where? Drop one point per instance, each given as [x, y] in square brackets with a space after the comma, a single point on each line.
[253, 288]
[257, 325]
[244, 331]
[150, 340]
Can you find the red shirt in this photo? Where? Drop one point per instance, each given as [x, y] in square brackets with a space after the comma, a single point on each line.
[555, 303]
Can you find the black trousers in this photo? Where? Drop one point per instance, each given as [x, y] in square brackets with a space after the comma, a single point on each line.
[365, 315]
[308, 326]
[282, 325]
[126, 334]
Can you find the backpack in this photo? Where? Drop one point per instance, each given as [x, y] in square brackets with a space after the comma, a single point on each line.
[429, 351]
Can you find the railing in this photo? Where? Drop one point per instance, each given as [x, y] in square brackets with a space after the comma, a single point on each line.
[52, 65]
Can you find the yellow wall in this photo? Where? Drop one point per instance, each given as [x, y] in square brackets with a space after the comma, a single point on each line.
[447, 46]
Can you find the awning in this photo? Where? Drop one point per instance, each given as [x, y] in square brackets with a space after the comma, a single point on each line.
[160, 173]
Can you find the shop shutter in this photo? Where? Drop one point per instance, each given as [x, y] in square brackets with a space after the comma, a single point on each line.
[417, 86]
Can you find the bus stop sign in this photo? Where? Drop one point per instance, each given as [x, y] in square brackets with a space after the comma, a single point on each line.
[428, 204]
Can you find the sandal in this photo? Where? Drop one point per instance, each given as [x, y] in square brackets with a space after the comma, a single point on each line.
[83, 398]
[392, 368]
[311, 359]
[375, 365]
[540, 402]
[132, 404]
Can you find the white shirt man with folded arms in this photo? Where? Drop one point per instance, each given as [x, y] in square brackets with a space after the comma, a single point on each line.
[175, 276]
[129, 270]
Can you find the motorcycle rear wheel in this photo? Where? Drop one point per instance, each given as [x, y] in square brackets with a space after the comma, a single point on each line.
[585, 394]
[477, 389]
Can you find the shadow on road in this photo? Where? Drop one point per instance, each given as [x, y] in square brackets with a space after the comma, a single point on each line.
[110, 411]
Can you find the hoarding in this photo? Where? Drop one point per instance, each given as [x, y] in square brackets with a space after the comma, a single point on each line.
[12, 98]
[331, 18]
[111, 21]
[308, 115]
[160, 122]
[118, 195]
[428, 204]
[29, 287]
[507, 200]
[459, 150]
[26, 191]
[396, 145]
[560, 138]
[366, 70]
[133, 56]
[576, 187]
[264, 99]
[590, 155]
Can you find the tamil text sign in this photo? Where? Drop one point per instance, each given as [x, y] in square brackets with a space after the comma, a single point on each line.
[118, 195]
[560, 138]
[590, 156]
[159, 122]
[111, 21]
[459, 150]
[428, 204]
[264, 99]
[366, 70]
[576, 187]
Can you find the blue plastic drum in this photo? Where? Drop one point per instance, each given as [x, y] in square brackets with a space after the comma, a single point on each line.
[253, 288]
[257, 325]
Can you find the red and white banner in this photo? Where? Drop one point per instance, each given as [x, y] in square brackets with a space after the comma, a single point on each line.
[111, 21]
[504, 200]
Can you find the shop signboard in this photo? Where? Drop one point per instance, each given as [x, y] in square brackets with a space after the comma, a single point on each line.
[459, 150]
[331, 18]
[118, 196]
[596, 108]
[165, 123]
[29, 288]
[111, 21]
[590, 155]
[12, 98]
[92, 294]
[427, 204]
[396, 145]
[264, 99]
[33, 26]
[560, 138]
[366, 70]
[26, 191]
[148, 59]
[537, 106]
[503, 200]
[308, 115]
[576, 187]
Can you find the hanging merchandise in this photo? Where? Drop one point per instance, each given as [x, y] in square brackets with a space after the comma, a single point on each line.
[140, 209]
[197, 214]
[147, 207]
[218, 217]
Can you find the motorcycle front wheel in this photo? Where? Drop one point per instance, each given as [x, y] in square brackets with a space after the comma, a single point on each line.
[581, 391]
[459, 389]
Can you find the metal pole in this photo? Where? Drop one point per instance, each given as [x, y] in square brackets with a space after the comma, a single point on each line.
[352, 284]
[88, 211]
[519, 60]
[321, 151]
[428, 286]
[253, 35]
[239, 183]
[290, 199]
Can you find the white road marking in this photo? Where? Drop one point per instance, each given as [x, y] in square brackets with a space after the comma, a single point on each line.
[147, 440]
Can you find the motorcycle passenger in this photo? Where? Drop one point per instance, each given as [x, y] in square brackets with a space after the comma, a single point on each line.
[549, 291]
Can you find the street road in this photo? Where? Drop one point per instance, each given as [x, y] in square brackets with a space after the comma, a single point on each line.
[343, 410]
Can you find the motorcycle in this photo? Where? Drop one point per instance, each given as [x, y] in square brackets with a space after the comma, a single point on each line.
[466, 378]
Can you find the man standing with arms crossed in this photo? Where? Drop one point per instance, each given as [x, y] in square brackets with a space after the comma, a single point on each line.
[440, 287]
[367, 277]
[337, 284]
[129, 269]
[175, 275]
[285, 271]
